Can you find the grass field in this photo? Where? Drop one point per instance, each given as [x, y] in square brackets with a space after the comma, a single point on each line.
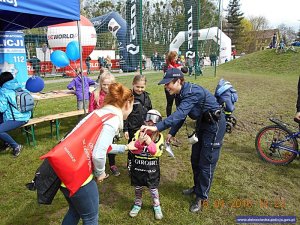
[243, 184]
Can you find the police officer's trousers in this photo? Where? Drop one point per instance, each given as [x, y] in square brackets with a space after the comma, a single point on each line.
[205, 154]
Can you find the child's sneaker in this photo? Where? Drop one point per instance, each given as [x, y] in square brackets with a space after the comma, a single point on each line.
[114, 170]
[17, 150]
[134, 211]
[157, 212]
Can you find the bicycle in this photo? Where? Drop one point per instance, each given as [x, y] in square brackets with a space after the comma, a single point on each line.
[277, 144]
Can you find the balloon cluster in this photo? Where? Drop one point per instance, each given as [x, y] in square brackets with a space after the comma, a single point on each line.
[62, 59]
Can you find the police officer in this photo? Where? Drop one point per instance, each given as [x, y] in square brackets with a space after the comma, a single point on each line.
[200, 105]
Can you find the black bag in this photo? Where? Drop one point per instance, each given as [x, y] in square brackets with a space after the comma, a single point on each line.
[45, 182]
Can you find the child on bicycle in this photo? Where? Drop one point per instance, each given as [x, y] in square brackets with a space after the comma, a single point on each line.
[145, 169]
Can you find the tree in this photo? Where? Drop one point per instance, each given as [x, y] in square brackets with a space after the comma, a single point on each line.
[259, 23]
[288, 34]
[94, 8]
[233, 26]
[247, 36]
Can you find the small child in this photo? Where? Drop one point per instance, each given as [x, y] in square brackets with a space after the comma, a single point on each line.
[145, 170]
[77, 84]
[142, 104]
[96, 102]
[101, 71]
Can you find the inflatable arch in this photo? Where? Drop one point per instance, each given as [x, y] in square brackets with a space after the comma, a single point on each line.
[204, 34]
[114, 23]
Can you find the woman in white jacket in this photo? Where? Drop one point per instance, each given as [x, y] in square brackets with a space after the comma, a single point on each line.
[84, 203]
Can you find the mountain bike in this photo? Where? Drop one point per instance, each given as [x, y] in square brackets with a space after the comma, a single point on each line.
[277, 144]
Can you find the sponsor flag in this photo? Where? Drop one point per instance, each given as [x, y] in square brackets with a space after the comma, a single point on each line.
[133, 15]
[191, 20]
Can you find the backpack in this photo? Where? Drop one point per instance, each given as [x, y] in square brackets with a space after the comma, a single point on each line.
[45, 182]
[226, 95]
[24, 101]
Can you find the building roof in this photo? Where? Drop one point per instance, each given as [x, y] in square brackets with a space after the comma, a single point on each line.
[263, 34]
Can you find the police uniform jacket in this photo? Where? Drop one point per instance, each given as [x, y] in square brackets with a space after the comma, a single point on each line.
[193, 101]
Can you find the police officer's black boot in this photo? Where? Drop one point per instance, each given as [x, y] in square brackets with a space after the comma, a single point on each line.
[188, 191]
[196, 205]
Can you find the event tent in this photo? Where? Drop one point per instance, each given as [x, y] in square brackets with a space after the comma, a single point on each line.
[27, 14]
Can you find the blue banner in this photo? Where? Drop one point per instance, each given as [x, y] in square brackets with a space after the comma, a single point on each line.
[118, 27]
[13, 55]
[22, 14]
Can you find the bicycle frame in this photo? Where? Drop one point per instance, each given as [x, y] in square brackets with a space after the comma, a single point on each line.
[278, 144]
[294, 135]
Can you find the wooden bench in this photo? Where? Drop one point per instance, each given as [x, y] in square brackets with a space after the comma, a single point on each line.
[28, 128]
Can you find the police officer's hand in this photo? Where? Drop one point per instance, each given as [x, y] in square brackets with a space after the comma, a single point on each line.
[151, 128]
[126, 135]
[169, 138]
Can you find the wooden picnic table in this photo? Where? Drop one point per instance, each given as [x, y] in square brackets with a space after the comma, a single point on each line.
[53, 94]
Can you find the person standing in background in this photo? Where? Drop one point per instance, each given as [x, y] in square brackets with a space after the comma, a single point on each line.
[233, 53]
[108, 63]
[88, 64]
[274, 40]
[76, 84]
[35, 62]
[171, 62]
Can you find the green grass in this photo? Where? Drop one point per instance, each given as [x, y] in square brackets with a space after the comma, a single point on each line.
[241, 178]
[267, 62]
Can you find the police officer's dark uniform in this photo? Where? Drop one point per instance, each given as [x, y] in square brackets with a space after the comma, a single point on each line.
[200, 105]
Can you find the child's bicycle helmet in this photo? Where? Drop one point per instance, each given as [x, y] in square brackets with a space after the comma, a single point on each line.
[153, 115]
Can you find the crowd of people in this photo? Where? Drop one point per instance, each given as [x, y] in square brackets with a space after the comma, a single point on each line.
[142, 126]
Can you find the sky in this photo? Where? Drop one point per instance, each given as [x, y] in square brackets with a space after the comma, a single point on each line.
[276, 12]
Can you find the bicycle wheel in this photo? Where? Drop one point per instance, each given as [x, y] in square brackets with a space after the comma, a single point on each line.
[275, 155]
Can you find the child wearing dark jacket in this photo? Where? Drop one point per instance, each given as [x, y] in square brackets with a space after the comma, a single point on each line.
[142, 104]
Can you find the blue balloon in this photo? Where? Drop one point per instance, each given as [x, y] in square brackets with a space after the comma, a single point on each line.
[35, 84]
[59, 58]
[72, 50]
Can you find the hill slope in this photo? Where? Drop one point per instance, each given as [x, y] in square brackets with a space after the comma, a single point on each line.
[266, 62]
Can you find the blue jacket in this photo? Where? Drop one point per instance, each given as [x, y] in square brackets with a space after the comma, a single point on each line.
[76, 83]
[193, 101]
[7, 93]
